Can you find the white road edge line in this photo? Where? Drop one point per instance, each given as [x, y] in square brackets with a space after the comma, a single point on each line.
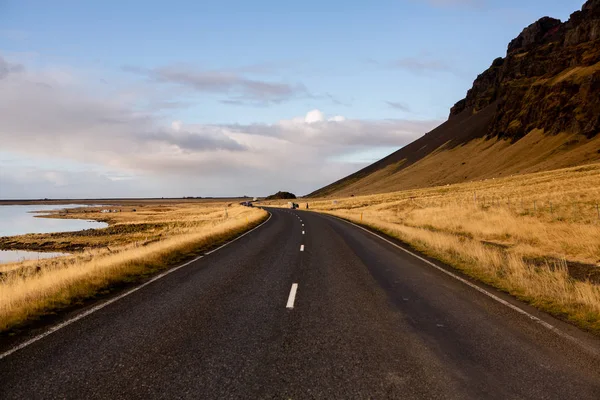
[292, 297]
[108, 302]
[301, 247]
[483, 291]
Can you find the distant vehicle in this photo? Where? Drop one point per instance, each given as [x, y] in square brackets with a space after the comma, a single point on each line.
[292, 205]
[246, 204]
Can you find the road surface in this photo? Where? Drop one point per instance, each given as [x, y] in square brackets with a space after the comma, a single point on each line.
[363, 320]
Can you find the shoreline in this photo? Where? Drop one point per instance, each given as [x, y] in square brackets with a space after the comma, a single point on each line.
[134, 222]
[46, 242]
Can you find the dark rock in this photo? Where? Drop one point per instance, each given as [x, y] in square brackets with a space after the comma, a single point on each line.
[498, 62]
[458, 107]
[584, 25]
[534, 34]
[281, 195]
[549, 80]
[591, 5]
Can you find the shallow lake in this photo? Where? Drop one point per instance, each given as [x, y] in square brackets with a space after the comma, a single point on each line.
[7, 256]
[19, 220]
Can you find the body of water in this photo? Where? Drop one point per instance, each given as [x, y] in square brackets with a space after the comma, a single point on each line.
[21, 219]
[7, 256]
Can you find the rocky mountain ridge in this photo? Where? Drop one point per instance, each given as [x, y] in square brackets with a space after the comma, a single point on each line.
[537, 108]
[549, 79]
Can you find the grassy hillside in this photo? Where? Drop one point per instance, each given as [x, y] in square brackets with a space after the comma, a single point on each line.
[480, 158]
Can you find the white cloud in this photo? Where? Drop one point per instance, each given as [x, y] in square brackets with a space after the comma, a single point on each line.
[176, 125]
[47, 116]
[314, 116]
[339, 132]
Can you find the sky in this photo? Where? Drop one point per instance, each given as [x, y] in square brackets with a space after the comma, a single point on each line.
[228, 98]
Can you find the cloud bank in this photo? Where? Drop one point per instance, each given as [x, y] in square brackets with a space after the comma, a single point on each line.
[113, 148]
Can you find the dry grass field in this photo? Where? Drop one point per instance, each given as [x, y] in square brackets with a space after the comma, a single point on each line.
[139, 222]
[135, 245]
[536, 236]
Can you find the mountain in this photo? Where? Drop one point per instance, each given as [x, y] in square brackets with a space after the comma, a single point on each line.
[536, 109]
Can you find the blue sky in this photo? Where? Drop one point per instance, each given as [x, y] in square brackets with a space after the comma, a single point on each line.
[142, 98]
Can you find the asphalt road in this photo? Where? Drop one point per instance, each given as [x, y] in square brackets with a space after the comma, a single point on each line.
[368, 321]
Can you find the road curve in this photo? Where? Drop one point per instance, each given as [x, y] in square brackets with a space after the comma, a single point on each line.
[365, 320]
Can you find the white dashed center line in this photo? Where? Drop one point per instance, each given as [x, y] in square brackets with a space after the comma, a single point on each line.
[303, 232]
[292, 298]
[301, 247]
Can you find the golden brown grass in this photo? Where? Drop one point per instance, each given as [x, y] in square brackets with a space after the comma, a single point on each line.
[481, 159]
[33, 288]
[150, 222]
[535, 236]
